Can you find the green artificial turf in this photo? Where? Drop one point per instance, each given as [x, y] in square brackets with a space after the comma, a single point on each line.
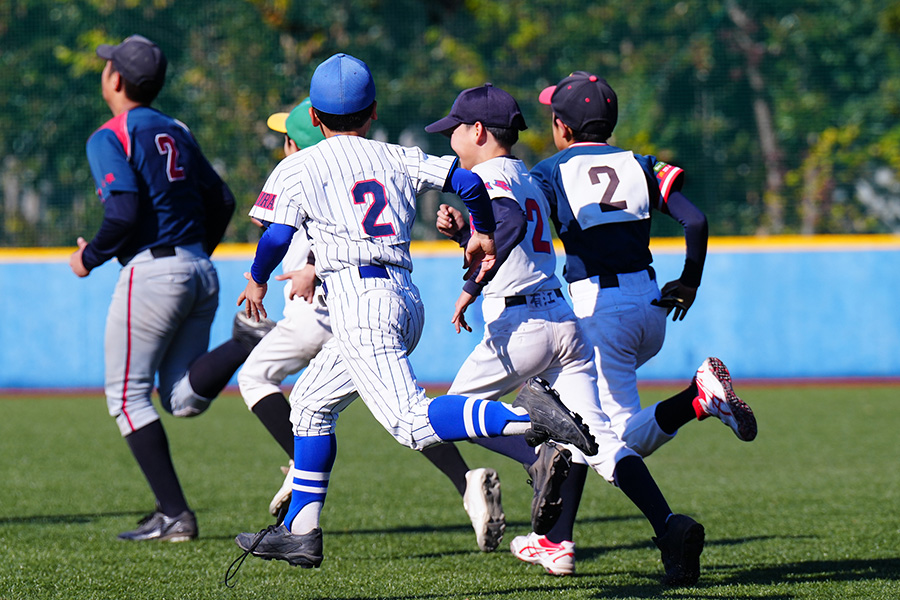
[811, 509]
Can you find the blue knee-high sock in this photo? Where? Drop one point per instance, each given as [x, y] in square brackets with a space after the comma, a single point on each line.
[457, 418]
[313, 461]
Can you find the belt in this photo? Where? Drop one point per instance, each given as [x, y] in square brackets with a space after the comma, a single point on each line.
[366, 272]
[520, 300]
[162, 251]
[612, 281]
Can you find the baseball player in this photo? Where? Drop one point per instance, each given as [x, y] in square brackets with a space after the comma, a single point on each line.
[530, 330]
[165, 210]
[356, 199]
[601, 198]
[299, 336]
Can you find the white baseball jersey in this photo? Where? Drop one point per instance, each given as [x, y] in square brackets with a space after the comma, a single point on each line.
[538, 335]
[531, 265]
[344, 203]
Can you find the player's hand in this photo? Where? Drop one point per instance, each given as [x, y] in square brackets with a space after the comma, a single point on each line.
[75, 259]
[676, 297]
[450, 220]
[254, 294]
[480, 254]
[303, 283]
[459, 313]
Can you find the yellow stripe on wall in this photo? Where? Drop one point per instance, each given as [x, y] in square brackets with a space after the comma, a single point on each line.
[669, 245]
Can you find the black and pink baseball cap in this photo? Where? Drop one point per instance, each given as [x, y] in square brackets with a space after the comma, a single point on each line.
[137, 59]
[584, 102]
[489, 105]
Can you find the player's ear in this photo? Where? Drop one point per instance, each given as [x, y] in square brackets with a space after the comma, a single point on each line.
[374, 114]
[313, 117]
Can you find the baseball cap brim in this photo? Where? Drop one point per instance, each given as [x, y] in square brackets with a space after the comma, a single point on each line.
[443, 125]
[546, 95]
[105, 51]
[278, 122]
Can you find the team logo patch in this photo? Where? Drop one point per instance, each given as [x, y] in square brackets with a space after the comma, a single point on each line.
[502, 185]
[266, 200]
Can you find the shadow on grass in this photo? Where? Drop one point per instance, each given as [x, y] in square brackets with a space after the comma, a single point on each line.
[68, 519]
[523, 526]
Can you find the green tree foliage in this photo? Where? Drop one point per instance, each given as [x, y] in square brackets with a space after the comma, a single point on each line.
[784, 115]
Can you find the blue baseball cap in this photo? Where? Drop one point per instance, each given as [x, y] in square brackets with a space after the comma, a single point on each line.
[137, 59]
[297, 125]
[342, 85]
[489, 105]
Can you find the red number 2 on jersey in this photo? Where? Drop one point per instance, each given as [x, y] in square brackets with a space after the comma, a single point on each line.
[371, 192]
[533, 213]
[166, 145]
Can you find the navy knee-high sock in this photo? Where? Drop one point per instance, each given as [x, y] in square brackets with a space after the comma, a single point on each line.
[150, 448]
[633, 478]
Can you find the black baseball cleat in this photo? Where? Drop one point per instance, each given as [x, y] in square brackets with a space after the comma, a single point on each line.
[278, 543]
[248, 331]
[551, 420]
[681, 547]
[547, 474]
[157, 526]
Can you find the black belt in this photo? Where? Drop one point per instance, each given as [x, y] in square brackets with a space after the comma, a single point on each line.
[520, 300]
[612, 281]
[162, 251]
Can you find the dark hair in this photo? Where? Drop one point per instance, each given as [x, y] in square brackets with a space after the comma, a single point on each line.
[144, 93]
[587, 136]
[584, 136]
[350, 122]
[505, 136]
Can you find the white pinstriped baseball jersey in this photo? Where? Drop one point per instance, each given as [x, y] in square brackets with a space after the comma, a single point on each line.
[356, 198]
[531, 265]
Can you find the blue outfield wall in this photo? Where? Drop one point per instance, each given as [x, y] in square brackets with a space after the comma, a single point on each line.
[820, 307]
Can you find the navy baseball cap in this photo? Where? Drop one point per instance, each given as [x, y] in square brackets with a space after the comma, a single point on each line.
[584, 102]
[342, 85]
[297, 125]
[137, 59]
[487, 104]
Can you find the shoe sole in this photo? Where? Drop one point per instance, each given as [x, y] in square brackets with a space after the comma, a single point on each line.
[494, 523]
[547, 506]
[692, 548]
[743, 415]
[554, 420]
[304, 561]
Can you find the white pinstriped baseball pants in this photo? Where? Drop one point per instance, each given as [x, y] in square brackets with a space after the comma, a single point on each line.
[376, 323]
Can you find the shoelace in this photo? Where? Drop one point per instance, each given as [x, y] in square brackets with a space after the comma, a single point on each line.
[236, 563]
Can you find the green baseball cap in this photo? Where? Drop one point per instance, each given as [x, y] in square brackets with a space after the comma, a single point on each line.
[297, 125]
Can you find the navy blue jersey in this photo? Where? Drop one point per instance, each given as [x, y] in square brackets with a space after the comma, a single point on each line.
[146, 153]
[601, 198]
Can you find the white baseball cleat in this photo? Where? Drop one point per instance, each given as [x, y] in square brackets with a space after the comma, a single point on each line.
[482, 503]
[557, 559]
[715, 398]
[283, 495]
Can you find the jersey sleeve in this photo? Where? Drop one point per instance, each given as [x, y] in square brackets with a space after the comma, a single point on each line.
[274, 203]
[669, 178]
[109, 164]
[428, 171]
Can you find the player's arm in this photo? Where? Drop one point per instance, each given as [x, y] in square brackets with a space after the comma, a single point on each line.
[680, 294]
[120, 219]
[511, 228]
[218, 204]
[272, 246]
[469, 187]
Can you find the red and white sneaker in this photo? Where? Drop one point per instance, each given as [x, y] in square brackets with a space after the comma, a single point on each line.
[557, 559]
[715, 398]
